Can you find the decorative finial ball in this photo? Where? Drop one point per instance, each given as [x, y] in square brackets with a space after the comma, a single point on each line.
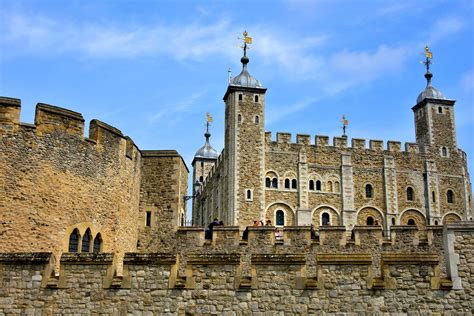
[244, 60]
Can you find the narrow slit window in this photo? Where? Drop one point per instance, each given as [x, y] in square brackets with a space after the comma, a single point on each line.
[287, 183]
[433, 197]
[239, 118]
[311, 185]
[267, 182]
[240, 97]
[318, 185]
[440, 110]
[450, 196]
[249, 194]
[148, 218]
[256, 98]
[257, 119]
[368, 191]
[409, 194]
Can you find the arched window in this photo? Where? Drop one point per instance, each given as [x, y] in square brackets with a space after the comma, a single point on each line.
[275, 183]
[410, 194]
[97, 243]
[444, 152]
[325, 219]
[287, 183]
[249, 194]
[336, 186]
[268, 182]
[280, 218]
[86, 241]
[436, 222]
[329, 186]
[368, 191]
[318, 185]
[201, 179]
[256, 98]
[450, 196]
[293, 184]
[239, 118]
[74, 240]
[370, 221]
[440, 110]
[411, 222]
[393, 221]
[311, 185]
[240, 97]
[257, 119]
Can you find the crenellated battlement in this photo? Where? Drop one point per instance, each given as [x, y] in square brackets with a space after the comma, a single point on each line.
[321, 141]
[53, 119]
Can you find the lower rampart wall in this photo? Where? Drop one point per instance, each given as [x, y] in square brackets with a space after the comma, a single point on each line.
[413, 273]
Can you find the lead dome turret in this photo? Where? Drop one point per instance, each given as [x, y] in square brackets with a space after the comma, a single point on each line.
[430, 92]
[206, 151]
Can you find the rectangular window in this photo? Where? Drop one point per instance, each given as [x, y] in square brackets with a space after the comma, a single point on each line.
[148, 218]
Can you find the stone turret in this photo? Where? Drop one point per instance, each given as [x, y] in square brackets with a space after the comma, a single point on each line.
[244, 146]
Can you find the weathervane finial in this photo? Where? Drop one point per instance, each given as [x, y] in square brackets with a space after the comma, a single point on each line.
[247, 40]
[427, 62]
[345, 122]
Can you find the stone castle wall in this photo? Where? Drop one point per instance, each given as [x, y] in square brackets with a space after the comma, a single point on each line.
[54, 180]
[164, 183]
[295, 275]
[389, 170]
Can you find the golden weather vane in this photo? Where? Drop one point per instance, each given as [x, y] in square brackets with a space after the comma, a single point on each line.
[428, 56]
[208, 121]
[345, 122]
[247, 40]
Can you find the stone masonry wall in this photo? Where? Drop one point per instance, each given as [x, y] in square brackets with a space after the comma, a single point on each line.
[164, 183]
[295, 275]
[54, 180]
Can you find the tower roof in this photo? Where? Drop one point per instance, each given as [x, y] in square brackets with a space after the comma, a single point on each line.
[206, 151]
[430, 92]
[244, 81]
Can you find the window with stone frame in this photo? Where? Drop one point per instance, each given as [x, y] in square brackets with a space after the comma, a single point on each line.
[287, 183]
[268, 182]
[325, 219]
[318, 185]
[86, 241]
[329, 186]
[74, 241]
[311, 185]
[369, 191]
[275, 183]
[280, 218]
[450, 196]
[98, 243]
[410, 194]
[294, 184]
[369, 221]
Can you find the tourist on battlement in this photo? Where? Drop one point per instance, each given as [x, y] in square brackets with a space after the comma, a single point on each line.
[268, 223]
[208, 232]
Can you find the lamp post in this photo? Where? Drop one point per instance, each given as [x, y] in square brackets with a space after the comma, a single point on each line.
[196, 192]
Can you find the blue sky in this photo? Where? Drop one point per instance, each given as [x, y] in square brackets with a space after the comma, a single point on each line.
[154, 68]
